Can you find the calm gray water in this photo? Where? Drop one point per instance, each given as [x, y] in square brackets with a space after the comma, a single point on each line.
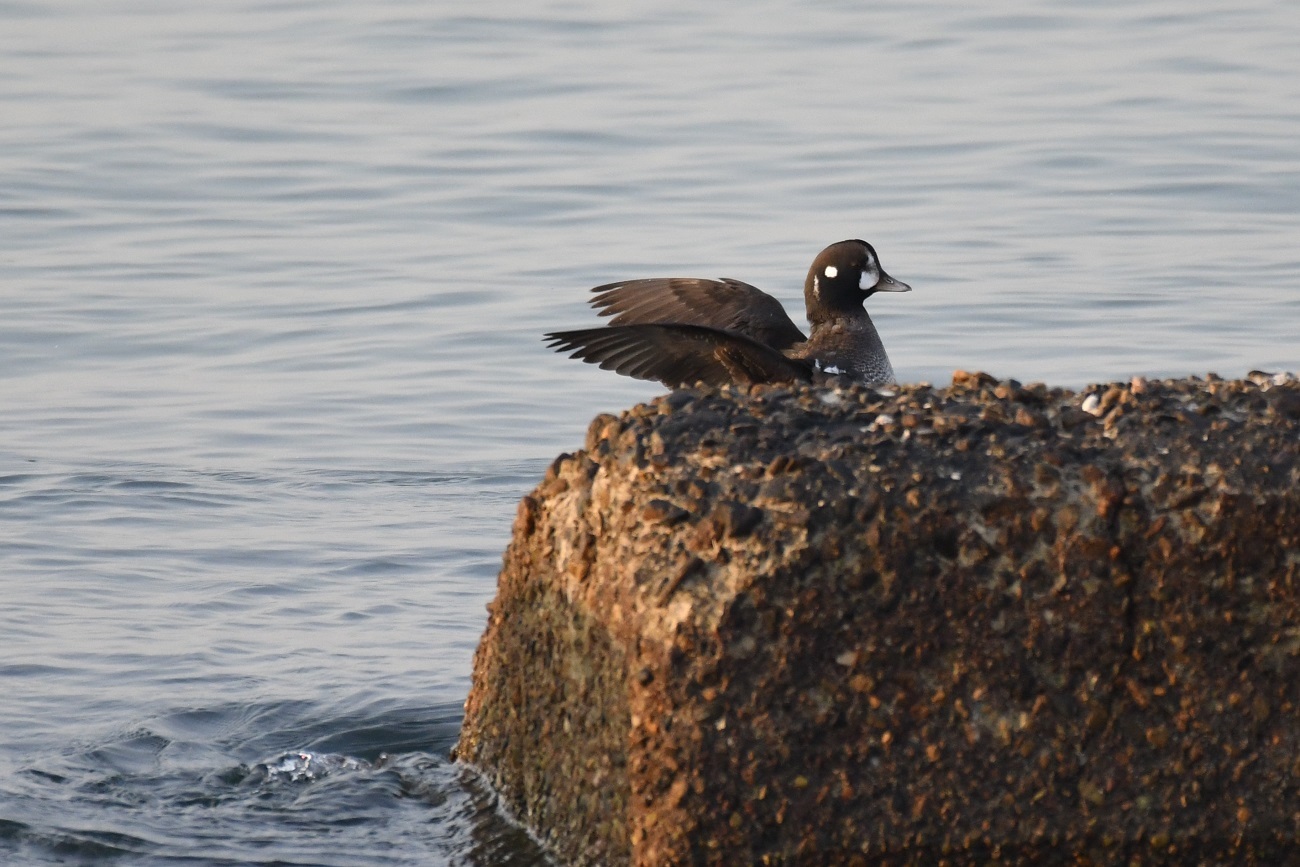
[272, 280]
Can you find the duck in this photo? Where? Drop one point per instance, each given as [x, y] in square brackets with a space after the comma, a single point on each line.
[685, 332]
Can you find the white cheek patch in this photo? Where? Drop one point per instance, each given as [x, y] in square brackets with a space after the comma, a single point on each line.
[870, 277]
[831, 272]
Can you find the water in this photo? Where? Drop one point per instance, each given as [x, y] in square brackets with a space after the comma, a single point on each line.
[272, 279]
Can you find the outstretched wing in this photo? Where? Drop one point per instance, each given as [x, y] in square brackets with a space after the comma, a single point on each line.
[725, 305]
[680, 356]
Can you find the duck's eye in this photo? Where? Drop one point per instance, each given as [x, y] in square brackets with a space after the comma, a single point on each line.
[831, 272]
[870, 276]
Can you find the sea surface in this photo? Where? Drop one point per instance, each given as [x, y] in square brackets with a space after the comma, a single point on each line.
[272, 282]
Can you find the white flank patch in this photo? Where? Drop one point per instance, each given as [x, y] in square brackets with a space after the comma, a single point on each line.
[831, 272]
[830, 368]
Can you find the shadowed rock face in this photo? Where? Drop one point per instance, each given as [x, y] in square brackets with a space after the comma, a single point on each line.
[986, 623]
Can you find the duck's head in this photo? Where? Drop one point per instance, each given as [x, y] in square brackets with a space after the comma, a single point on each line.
[842, 277]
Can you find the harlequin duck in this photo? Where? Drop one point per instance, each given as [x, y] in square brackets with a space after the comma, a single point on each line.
[683, 331]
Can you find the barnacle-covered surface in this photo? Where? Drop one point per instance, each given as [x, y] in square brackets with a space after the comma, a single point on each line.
[987, 623]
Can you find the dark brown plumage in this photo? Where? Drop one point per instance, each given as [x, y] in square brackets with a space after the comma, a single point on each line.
[684, 331]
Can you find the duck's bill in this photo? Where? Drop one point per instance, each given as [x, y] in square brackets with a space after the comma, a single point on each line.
[889, 284]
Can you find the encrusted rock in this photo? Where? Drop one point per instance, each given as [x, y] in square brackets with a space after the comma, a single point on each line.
[990, 623]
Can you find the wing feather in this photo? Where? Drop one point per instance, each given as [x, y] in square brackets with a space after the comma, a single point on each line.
[725, 305]
[680, 356]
